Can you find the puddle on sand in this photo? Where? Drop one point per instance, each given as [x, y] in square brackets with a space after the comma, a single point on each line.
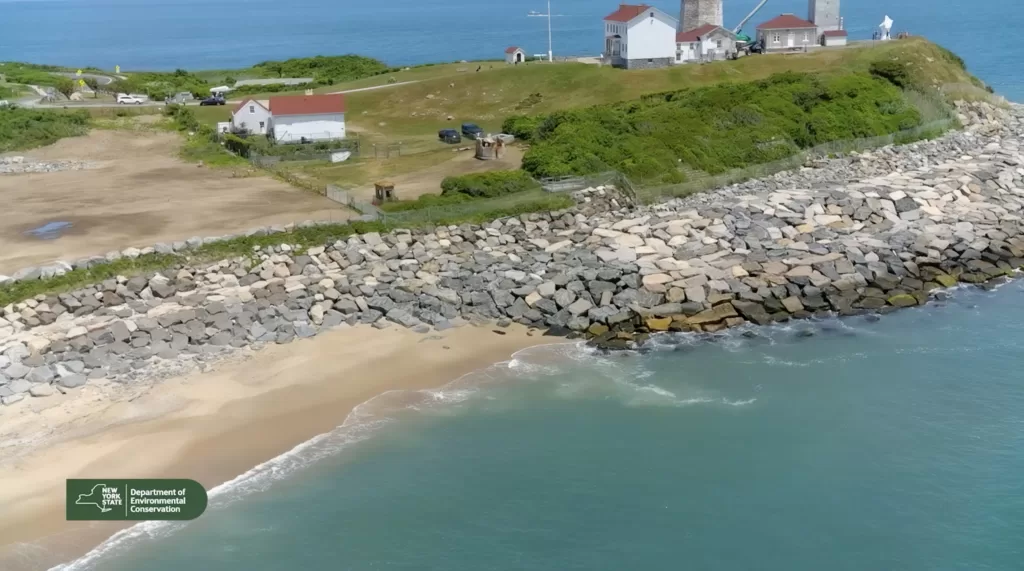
[50, 230]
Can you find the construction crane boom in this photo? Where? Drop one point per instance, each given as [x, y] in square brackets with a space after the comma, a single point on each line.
[744, 21]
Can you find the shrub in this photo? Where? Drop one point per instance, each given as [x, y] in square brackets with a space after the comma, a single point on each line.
[895, 72]
[521, 126]
[28, 128]
[237, 145]
[488, 184]
[323, 68]
[715, 128]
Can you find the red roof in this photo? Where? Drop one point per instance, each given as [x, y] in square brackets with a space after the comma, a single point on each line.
[785, 21]
[307, 104]
[834, 34]
[244, 101]
[627, 12]
[695, 34]
[511, 50]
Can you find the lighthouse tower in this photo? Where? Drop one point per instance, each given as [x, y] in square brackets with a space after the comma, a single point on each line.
[697, 13]
[824, 14]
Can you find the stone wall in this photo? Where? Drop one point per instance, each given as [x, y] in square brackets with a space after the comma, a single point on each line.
[872, 232]
[654, 63]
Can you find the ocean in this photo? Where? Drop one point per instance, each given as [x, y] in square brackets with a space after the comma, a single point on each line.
[199, 34]
[855, 444]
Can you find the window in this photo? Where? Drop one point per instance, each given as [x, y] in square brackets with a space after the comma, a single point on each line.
[718, 44]
[252, 109]
[776, 37]
[652, 14]
[262, 124]
[650, 61]
[807, 37]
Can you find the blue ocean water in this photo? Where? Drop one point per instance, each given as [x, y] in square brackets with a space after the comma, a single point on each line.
[200, 34]
[890, 444]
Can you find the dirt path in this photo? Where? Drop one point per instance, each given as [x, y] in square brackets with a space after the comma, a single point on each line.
[139, 194]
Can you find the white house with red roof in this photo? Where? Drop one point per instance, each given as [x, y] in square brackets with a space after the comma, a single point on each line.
[787, 32]
[706, 43]
[514, 55]
[307, 118]
[638, 36]
[251, 116]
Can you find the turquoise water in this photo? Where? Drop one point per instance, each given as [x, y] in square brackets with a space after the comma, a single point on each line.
[199, 34]
[868, 445]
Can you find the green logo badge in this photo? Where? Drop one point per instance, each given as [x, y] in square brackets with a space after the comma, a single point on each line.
[134, 500]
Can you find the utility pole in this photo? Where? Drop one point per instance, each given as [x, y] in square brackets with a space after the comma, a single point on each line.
[551, 54]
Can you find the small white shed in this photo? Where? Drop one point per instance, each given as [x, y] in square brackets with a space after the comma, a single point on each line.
[514, 55]
[831, 38]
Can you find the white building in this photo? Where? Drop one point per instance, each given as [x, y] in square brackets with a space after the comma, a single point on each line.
[640, 37]
[514, 55]
[833, 38]
[251, 116]
[787, 33]
[706, 43]
[307, 118]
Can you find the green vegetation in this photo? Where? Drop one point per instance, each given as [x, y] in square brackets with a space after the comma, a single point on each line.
[268, 90]
[27, 128]
[714, 129]
[895, 72]
[201, 140]
[31, 74]
[468, 188]
[488, 184]
[326, 70]
[158, 86]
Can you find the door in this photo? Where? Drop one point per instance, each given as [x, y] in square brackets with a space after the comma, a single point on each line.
[789, 40]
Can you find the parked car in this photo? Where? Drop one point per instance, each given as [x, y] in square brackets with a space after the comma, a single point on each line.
[124, 99]
[472, 130]
[450, 136]
[214, 100]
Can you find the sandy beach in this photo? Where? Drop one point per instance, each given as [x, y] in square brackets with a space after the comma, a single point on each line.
[209, 426]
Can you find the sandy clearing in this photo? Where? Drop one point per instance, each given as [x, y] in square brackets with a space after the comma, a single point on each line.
[139, 194]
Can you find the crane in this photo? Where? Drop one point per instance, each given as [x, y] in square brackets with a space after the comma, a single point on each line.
[743, 22]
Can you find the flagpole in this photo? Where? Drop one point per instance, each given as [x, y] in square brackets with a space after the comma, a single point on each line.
[551, 56]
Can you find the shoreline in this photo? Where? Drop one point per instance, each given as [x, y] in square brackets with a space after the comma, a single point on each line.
[214, 426]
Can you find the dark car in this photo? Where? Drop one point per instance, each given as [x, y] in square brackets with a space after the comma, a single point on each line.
[472, 130]
[450, 136]
[215, 100]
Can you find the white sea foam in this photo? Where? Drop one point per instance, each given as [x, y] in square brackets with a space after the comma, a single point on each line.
[604, 375]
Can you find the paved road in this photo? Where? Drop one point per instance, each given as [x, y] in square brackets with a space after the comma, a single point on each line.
[32, 102]
[100, 79]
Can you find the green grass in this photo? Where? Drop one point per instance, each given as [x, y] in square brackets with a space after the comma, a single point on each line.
[30, 74]
[200, 148]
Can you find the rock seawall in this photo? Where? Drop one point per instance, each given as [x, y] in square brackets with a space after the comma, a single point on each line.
[871, 232]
